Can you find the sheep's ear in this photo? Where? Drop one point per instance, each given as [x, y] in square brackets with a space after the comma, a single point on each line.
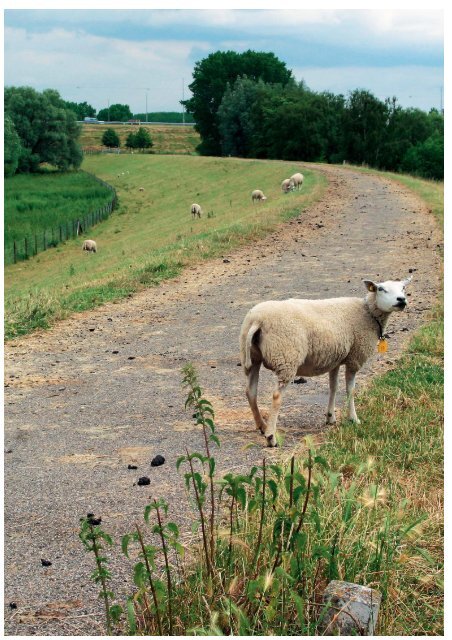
[407, 281]
[370, 286]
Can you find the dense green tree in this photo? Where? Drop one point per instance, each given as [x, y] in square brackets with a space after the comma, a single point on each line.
[291, 122]
[110, 138]
[365, 121]
[143, 139]
[426, 159]
[81, 109]
[115, 113]
[48, 131]
[237, 123]
[139, 139]
[302, 124]
[130, 141]
[210, 80]
[13, 148]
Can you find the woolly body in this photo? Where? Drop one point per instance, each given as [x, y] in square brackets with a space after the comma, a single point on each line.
[287, 185]
[196, 210]
[89, 245]
[257, 194]
[312, 337]
[297, 180]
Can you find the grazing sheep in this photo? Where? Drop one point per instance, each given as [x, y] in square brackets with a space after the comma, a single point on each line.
[297, 180]
[89, 245]
[141, 189]
[195, 210]
[287, 185]
[310, 337]
[258, 195]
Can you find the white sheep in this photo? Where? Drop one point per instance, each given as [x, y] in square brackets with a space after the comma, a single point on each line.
[297, 180]
[310, 337]
[90, 245]
[196, 210]
[257, 194]
[287, 185]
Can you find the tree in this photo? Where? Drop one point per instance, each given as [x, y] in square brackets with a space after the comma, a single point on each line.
[426, 159]
[115, 113]
[143, 139]
[130, 141]
[236, 124]
[365, 121]
[110, 138]
[13, 148]
[139, 139]
[81, 109]
[210, 80]
[48, 131]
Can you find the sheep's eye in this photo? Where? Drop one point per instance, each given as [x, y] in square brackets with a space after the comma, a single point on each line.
[380, 289]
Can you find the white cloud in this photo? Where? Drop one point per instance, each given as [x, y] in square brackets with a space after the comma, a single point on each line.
[85, 67]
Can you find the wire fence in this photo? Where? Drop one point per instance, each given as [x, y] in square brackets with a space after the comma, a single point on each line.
[31, 245]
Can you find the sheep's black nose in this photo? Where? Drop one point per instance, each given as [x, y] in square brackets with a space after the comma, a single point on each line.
[401, 300]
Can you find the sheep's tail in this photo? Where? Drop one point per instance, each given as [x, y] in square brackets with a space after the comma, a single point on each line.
[249, 341]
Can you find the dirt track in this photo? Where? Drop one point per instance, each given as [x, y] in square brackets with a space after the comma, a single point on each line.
[102, 389]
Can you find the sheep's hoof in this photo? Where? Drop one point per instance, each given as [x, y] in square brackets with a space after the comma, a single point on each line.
[271, 441]
[330, 418]
[355, 420]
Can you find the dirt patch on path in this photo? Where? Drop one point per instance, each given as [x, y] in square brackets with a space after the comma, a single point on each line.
[101, 390]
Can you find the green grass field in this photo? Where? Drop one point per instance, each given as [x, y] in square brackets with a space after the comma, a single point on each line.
[166, 138]
[39, 202]
[152, 235]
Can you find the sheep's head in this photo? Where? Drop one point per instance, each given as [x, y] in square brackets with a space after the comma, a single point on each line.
[389, 295]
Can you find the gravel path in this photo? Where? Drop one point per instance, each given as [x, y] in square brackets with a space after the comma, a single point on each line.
[102, 389]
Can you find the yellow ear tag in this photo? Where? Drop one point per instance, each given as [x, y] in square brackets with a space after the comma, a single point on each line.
[382, 345]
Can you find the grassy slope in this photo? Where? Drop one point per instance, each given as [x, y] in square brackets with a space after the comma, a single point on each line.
[166, 138]
[152, 234]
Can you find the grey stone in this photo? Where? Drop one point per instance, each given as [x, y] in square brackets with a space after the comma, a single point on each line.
[352, 609]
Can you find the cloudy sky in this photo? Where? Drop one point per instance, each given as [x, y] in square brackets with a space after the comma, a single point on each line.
[128, 56]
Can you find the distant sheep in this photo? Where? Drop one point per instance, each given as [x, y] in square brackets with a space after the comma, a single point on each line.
[141, 189]
[89, 245]
[311, 337]
[258, 195]
[297, 180]
[287, 185]
[196, 210]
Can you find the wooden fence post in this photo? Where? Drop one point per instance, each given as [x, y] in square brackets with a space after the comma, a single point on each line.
[36, 245]
[26, 248]
[15, 252]
[44, 236]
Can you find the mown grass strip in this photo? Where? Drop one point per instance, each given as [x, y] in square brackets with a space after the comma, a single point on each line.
[151, 235]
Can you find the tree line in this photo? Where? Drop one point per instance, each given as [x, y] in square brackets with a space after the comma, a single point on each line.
[249, 105]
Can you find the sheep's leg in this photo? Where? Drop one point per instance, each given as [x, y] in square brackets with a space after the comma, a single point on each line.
[330, 416]
[270, 431]
[350, 388]
[252, 379]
